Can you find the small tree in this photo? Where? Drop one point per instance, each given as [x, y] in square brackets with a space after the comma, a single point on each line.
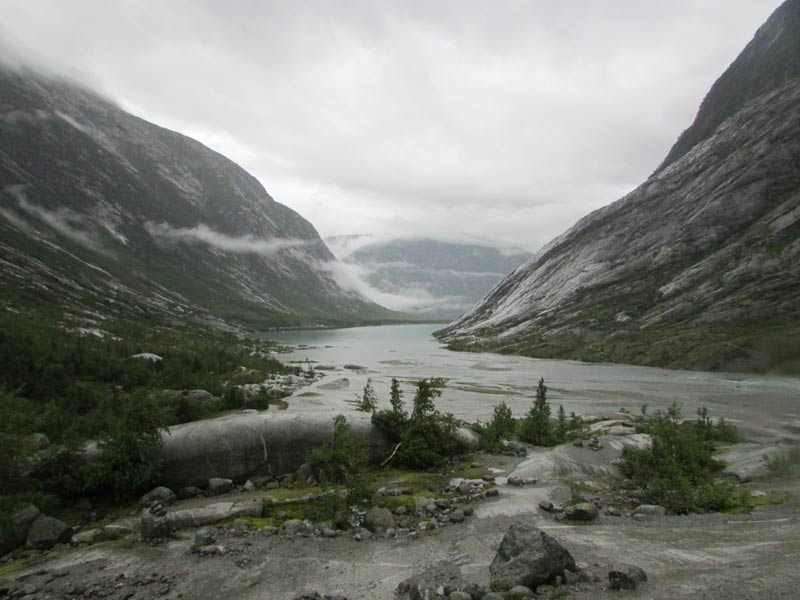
[502, 426]
[369, 400]
[536, 428]
[342, 460]
[561, 428]
[396, 399]
[424, 405]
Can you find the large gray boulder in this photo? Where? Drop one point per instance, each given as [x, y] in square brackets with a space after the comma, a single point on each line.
[528, 556]
[21, 521]
[236, 446]
[379, 519]
[45, 532]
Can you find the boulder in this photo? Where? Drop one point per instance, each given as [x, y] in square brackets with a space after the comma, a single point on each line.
[203, 537]
[650, 510]
[154, 526]
[528, 556]
[379, 519]
[161, 494]
[457, 516]
[582, 511]
[88, 536]
[24, 517]
[443, 576]
[626, 577]
[45, 532]
[219, 485]
[115, 531]
[189, 492]
[519, 592]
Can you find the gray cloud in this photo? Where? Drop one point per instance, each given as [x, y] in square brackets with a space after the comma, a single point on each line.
[502, 119]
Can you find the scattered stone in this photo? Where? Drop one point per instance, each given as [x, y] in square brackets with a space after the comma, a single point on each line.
[582, 511]
[211, 550]
[492, 493]
[379, 519]
[161, 494]
[546, 505]
[613, 511]
[249, 486]
[443, 576]
[45, 532]
[457, 516]
[519, 592]
[528, 556]
[298, 527]
[203, 537]
[327, 532]
[218, 485]
[626, 577]
[469, 511]
[521, 481]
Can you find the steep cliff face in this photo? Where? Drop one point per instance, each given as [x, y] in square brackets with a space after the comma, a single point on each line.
[102, 210]
[771, 59]
[698, 267]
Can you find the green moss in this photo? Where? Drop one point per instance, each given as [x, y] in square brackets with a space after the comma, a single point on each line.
[256, 522]
[14, 566]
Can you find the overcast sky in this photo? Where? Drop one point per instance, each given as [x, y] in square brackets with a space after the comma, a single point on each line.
[500, 120]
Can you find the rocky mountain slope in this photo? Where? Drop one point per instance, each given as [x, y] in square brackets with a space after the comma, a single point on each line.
[698, 267]
[431, 279]
[104, 212]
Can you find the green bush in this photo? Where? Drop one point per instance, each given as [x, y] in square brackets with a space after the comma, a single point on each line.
[501, 427]
[342, 460]
[679, 471]
[128, 460]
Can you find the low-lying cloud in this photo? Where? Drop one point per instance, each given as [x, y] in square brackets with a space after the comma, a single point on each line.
[203, 234]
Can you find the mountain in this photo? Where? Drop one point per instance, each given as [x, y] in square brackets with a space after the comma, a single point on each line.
[431, 279]
[103, 212]
[699, 267]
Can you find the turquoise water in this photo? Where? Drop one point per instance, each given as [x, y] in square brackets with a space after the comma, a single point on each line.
[477, 382]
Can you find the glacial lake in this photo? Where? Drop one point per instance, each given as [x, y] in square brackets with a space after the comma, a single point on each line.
[476, 382]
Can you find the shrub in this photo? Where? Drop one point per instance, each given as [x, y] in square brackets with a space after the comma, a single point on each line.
[679, 470]
[342, 460]
[502, 426]
[430, 437]
[129, 451]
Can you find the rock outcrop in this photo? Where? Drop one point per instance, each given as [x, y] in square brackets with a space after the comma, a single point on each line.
[698, 267]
